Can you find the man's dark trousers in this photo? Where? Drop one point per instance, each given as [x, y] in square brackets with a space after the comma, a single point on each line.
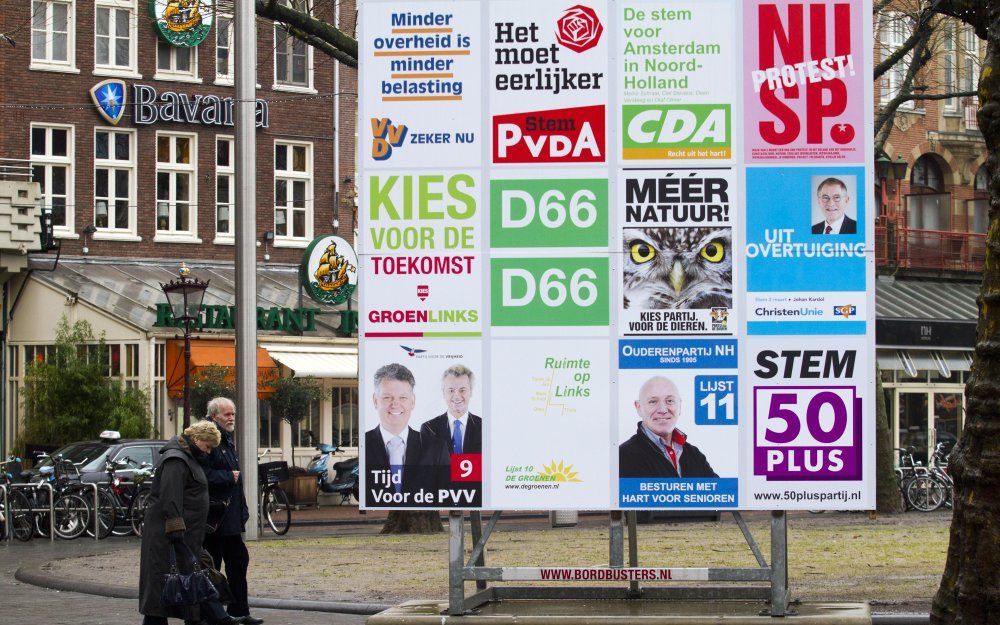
[233, 551]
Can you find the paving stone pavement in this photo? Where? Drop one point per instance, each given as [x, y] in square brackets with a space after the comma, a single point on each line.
[24, 604]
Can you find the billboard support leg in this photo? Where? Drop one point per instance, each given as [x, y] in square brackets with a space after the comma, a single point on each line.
[476, 523]
[456, 550]
[754, 547]
[779, 563]
[633, 553]
[616, 539]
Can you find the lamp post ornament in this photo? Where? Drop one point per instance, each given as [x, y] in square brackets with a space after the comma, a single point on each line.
[185, 296]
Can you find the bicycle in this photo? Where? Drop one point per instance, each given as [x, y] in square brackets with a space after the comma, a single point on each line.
[274, 506]
[919, 489]
[143, 478]
[16, 518]
[71, 512]
[115, 499]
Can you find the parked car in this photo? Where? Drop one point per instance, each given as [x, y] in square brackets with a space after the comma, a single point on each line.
[89, 456]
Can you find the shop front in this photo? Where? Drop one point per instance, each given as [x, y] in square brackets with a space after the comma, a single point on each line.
[126, 308]
[925, 333]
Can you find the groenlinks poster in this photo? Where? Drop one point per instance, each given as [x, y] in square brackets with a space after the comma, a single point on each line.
[616, 255]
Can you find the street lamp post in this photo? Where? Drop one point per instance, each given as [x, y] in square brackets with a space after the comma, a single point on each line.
[185, 296]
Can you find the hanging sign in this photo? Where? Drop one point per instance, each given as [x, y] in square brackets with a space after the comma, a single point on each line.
[183, 23]
[329, 270]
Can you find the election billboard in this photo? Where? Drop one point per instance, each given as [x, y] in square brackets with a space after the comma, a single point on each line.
[616, 254]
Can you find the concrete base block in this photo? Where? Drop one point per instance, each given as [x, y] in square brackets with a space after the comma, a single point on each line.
[620, 612]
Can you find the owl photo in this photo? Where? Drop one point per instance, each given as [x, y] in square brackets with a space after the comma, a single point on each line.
[677, 268]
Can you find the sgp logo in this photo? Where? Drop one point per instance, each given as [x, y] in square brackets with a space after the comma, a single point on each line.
[579, 28]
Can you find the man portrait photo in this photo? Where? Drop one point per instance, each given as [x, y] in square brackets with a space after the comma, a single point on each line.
[401, 462]
[659, 448]
[833, 201]
[460, 429]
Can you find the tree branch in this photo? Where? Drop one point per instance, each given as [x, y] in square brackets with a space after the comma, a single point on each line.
[975, 13]
[318, 31]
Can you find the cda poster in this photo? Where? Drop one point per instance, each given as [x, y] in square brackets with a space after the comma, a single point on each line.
[616, 254]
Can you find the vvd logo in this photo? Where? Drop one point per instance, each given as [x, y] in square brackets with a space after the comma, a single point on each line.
[385, 136]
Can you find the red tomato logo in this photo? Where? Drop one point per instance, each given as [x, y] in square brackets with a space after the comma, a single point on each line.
[842, 133]
[579, 29]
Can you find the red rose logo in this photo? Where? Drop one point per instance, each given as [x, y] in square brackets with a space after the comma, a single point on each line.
[579, 29]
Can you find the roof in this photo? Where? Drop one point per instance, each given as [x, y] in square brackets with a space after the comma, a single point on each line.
[129, 289]
[937, 300]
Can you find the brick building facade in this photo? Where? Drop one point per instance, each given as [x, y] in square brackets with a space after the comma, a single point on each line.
[63, 52]
[132, 197]
[930, 233]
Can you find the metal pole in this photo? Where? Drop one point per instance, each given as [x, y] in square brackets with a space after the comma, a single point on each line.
[779, 563]
[246, 253]
[187, 374]
[616, 539]
[456, 551]
[476, 522]
[9, 521]
[97, 512]
[633, 552]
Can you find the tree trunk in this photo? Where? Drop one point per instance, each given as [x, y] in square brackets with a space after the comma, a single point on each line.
[970, 587]
[887, 499]
[404, 522]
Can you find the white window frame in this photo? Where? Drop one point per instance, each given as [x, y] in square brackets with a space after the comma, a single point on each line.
[286, 86]
[291, 176]
[949, 65]
[47, 64]
[48, 160]
[112, 233]
[172, 73]
[225, 238]
[971, 59]
[110, 69]
[173, 235]
[894, 29]
[225, 78]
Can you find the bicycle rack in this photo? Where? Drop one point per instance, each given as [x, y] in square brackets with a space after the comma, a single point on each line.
[52, 505]
[6, 510]
[97, 515]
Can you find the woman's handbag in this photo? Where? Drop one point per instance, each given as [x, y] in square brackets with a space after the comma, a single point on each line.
[186, 589]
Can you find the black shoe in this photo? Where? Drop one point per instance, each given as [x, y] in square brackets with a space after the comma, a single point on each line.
[249, 620]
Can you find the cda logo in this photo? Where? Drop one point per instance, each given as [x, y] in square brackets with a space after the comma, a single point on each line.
[559, 136]
[684, 131]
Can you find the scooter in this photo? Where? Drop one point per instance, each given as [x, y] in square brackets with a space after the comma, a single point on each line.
[345, 482]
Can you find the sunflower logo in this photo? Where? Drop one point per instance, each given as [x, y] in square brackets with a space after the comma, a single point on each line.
[560, 472]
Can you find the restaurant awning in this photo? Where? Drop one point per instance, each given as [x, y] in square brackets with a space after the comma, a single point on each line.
[316, 361]
[944, 362]
[205, 353]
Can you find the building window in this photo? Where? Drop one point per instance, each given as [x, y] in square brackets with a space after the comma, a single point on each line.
[305, 431]
[225, 189]
[345, 416]
[894, 29]
[52, 167]
[950, 66]
[292, 192]
[53, 30]
[114, 36]
[114, 181]
[292, 57]
[926, 172]
[224, 48]
[176, 63]
[176, 185]
[269, 435]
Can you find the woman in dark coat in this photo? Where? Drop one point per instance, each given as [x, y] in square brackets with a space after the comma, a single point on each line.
[178, 509]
